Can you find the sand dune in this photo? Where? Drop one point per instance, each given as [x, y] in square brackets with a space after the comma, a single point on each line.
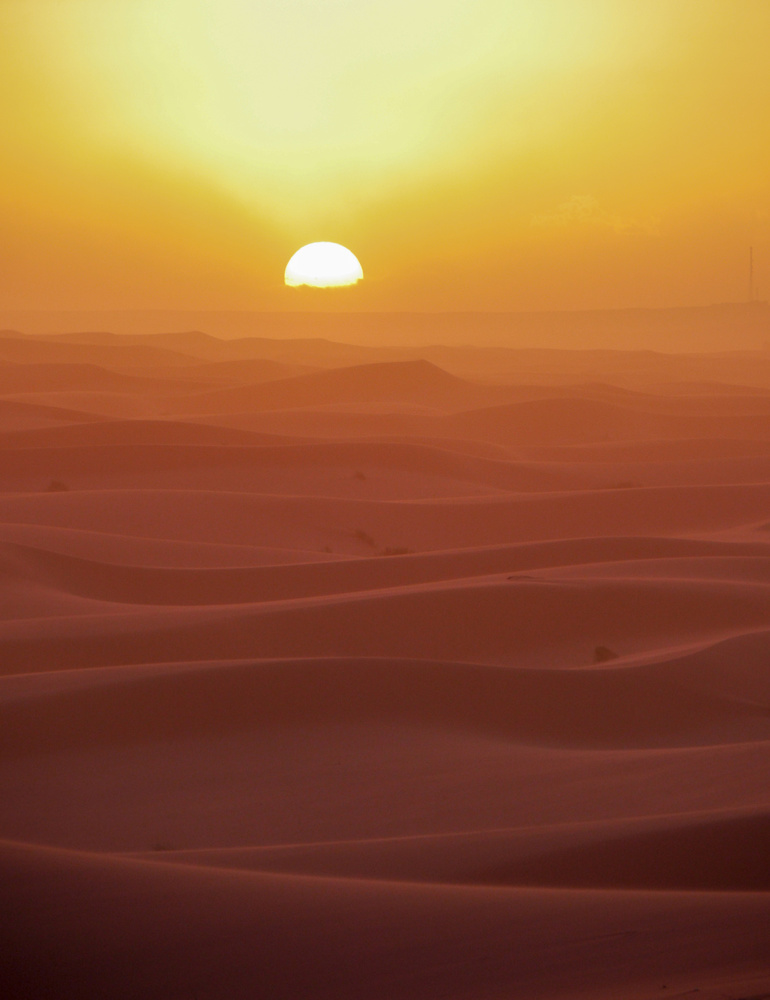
[40, 377]
[655, 451]
[332, 671]
[313, 522]
[21, 415]
[578, 421]
[541, 423]
[460, 342]
[400, 381]
[715, 851]
[647, 370]
[524, 937]
[109, 404]
[428, 385]
[133, 550]
[164, 784]
[116, 354]
[626, 706]
[168, 454]
[67, 566]
[120, 433]
[536, 623]
[224, 454]
[243, 371]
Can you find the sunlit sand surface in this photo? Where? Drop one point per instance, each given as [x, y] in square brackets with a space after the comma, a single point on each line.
[432, 674]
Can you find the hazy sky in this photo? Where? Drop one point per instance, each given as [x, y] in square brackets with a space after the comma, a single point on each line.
[474, 154]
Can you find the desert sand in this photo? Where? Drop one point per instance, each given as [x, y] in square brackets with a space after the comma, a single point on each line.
[371, 673]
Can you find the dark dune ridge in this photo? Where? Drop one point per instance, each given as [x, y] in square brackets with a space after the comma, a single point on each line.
[709, 851]
[22, 378]
[339, 671]
[698, 328]
[121, 434]
[115, 355]
[18, 414]
[219, 931]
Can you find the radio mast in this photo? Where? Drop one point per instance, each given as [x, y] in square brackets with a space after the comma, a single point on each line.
[751, 274]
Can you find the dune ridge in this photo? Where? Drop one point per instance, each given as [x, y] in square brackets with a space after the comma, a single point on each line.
[714, 851]
[341, 671]
[284, 913]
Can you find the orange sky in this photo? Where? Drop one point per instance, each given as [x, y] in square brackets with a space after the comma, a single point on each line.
[474, 154]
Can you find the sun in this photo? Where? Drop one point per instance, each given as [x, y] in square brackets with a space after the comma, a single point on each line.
[323, 265]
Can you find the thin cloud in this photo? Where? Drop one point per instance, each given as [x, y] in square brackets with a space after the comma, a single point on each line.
[585, 210]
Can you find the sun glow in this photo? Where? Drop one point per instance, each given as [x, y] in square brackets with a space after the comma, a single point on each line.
[497, 155]
[323, 265]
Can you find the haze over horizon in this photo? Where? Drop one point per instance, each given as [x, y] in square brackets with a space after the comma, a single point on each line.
[496, 156]
[733, 326]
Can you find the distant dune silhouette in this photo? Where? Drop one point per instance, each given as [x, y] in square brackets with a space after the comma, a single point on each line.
[695, 328]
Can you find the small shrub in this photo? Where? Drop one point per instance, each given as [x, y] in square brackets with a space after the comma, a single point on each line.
[394, 550]
[56, 486]
[604, 653]
[362, 536]
[359, 475]
[624, 484]
[326, 548]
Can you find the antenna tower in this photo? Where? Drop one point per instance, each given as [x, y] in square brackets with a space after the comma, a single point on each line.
[751, 274]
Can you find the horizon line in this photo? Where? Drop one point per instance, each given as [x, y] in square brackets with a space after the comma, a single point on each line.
[734, 304]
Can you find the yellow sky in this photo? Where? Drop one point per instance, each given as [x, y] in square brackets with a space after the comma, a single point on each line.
[474, 154]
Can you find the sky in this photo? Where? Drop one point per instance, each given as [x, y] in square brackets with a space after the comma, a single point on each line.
[488, 155]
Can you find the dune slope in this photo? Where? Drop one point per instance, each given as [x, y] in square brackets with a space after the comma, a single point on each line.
[338, 672]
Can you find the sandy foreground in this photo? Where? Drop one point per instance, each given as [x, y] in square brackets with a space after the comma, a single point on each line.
[326, 677]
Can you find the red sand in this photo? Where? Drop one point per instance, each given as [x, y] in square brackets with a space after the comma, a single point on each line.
[380, 681]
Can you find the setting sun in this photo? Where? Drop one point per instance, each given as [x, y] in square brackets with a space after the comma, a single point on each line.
[500, 155]
[323, 265]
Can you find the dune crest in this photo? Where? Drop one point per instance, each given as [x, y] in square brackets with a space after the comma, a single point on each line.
[333, 670]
